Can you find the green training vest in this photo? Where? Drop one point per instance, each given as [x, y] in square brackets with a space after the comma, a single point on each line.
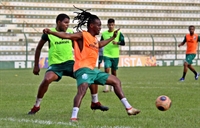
[60, 50]
[111, 50]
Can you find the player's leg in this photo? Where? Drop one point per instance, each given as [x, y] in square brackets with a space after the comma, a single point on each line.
[113, 72]
[104, 78]
[116, 83]
[196, 75]
[95, 104]
[185, 67]
[114, 68]
[107, 66]
[84, 77]
[48, 78]
[82, 89]
[191, 58]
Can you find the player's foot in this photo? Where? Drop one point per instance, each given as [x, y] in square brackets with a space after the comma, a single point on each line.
[74, 120]
[132, 111]
[95, 106]
[196, 77]
[34, 110]
[181, 79]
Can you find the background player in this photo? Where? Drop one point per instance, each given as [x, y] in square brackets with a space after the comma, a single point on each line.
[192, 43]
[111, 51]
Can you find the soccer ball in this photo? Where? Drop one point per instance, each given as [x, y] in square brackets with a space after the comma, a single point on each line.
[163, 103]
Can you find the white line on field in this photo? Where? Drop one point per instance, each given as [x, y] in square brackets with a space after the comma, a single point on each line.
[48, 122]
[45, 122]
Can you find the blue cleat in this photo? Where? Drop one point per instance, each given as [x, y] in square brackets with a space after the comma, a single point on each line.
[182, 79]
[197, 76]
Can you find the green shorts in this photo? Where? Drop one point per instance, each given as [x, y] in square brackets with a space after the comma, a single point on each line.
[63, 69]
[111, 62]
[190, 58]
[86, 75]
[100, 59]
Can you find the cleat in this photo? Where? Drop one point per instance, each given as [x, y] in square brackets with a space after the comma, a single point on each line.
[73, 120]
[181, 79]
[132, 111]
[34, 110]
[197, 76]
[95, 106]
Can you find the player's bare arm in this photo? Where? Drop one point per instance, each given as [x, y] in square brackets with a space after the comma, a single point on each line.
[36, 68]
[181, 44]
[64, 35]
[105, 42]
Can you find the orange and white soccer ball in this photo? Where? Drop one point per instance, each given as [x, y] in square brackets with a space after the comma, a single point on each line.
[163, 103]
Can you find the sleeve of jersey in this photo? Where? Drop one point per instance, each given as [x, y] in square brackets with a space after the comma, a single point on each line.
[45, 37]
[184, 40]
[198, 39]
[121, 39]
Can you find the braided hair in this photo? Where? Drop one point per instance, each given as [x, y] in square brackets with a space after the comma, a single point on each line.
[83, 18]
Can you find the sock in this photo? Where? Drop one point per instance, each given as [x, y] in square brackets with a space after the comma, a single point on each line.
[106, 87]
[94, 98]
[195, 73]
[125, 103]
[75, 112]
[184, 73]
[37, 102]
[111, 88]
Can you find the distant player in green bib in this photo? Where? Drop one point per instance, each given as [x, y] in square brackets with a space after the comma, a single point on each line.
[60, 61]
[111, 51]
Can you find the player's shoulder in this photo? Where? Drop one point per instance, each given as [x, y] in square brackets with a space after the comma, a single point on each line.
[69, 30]
[187, 34]
[53, 29]
[105, 31]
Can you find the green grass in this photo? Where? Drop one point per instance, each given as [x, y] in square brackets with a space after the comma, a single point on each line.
[141, 86]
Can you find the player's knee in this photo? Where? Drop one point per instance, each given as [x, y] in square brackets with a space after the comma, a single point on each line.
[116, 82]
[82, 89]
[185, 64]
[47, 80]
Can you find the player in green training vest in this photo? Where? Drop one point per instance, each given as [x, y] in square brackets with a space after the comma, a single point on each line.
[111, 50]
[61, 62]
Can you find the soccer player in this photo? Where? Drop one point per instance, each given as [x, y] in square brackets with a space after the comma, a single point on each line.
[111, 51]
[86, 47]
[61, 62]
[192, 43]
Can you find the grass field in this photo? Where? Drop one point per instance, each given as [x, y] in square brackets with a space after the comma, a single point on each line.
[141, 86]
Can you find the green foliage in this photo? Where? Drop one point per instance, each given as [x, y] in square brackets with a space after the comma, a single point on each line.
[141, 85]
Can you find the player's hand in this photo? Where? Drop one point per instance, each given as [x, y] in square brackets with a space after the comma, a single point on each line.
[114, 42]
[179, 45]
[46, 31]
[115, 32]
[36, 70]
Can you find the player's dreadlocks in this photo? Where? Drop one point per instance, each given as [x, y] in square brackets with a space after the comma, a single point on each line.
[84, 17]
